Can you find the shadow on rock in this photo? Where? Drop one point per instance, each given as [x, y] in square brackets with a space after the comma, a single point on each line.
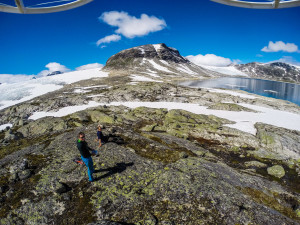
[119, 168]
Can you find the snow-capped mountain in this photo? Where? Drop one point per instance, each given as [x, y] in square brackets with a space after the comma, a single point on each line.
[276, 70]
[156, 61]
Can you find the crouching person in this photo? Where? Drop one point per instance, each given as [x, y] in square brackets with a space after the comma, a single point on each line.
[84, 150]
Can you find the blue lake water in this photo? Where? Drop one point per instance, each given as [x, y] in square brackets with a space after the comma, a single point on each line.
[273, 89]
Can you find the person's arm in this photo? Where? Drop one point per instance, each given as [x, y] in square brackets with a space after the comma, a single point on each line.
[88, 148]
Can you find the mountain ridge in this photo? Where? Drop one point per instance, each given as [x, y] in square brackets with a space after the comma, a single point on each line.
[166, 63]
[275, 71]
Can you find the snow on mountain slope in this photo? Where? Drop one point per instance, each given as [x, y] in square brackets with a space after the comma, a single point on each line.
[23, 91]
[228, 70]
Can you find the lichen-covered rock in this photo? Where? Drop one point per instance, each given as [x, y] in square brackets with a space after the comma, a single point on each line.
[100, 117]
[42, 126]
[276, 171]
[255, 164]
[230, 107]
[279, 141]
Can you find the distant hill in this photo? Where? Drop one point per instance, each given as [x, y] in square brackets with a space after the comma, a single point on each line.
[273, 71]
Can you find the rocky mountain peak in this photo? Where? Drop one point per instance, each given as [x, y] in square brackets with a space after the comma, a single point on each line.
[283, 66]
[125, 58]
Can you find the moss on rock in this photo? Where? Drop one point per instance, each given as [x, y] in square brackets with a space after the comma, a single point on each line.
[276, 171]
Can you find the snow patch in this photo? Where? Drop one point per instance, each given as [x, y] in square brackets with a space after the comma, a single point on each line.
[159, 67]
[164, 62]
[141, 78]
[234, 93]
[185, 69]
[157, 47]
[64, 111]
[96, 86]
[228, 70]
[92, 96]
[3, 126]
[78, 90]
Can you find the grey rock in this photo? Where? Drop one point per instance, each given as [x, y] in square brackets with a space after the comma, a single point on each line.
[14, 177]
[183, 155]
[24, 164]
[9, 193]
[62, 188]
[21, 122]
[104, 222]
[25, 174]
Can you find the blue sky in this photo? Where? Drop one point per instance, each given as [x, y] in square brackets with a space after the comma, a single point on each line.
[195, 27]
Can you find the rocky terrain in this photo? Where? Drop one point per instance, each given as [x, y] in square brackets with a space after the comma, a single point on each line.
[157, 166]
[273, 71]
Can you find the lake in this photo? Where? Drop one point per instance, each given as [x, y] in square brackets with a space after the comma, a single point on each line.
[273, 89]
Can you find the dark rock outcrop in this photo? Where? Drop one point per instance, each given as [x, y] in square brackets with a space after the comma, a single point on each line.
[54, 73]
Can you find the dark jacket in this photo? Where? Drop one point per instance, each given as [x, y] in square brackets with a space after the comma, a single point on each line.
[84, 149]
[100, 135]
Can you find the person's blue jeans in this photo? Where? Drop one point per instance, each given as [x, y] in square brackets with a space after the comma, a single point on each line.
[89, 164]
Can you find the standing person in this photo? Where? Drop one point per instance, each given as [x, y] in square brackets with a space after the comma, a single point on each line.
[99, 136]
[84, 150]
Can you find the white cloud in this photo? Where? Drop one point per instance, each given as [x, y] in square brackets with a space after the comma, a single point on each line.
[210, 60]
[130, 26]
[90, 66]
[11, 78]
[280, 46]
[108, 39]
[52, 67]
